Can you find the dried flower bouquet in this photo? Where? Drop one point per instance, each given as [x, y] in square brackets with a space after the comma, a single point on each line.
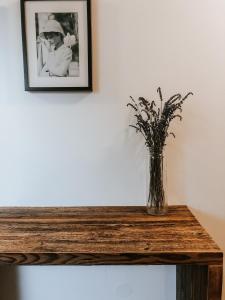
[153, 123]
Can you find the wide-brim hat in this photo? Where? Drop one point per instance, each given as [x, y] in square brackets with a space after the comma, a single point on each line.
[52, 26]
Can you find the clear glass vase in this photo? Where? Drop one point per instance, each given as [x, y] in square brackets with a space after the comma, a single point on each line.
[156, 186]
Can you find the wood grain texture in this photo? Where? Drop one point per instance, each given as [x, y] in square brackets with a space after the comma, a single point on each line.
[192, 282]
[199, 282]
[215, 279]
[103, 235]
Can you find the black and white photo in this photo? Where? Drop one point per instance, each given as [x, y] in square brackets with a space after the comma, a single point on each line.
[56, 45]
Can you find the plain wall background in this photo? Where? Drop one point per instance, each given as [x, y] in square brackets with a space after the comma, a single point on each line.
[77, 149]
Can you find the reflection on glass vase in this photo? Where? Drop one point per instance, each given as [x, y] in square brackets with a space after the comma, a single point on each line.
[156, 202]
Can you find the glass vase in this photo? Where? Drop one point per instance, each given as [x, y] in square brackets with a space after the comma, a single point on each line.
[156, 186]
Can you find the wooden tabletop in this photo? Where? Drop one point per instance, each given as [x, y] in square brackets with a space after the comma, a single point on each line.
[103, 235]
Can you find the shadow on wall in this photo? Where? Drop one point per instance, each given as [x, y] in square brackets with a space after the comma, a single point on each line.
[9, 283]
[214, 225]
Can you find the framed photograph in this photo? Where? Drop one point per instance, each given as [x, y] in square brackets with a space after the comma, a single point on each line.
[56, 38]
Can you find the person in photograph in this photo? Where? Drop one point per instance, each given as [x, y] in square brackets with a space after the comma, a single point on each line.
[59, 56]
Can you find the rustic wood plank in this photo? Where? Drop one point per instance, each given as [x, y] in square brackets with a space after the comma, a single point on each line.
[50, 258]
[215, 278]
[192, 282]
[199, 282]
[103, 235]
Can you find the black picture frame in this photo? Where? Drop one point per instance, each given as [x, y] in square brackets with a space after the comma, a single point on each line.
[53, 82]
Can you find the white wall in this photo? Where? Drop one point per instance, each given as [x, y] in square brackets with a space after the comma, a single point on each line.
[76, 149]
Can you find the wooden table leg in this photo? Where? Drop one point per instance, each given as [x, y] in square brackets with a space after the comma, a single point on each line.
[199, 282]
[215, 282]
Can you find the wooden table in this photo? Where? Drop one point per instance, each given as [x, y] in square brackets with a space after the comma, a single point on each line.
[115, 236]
